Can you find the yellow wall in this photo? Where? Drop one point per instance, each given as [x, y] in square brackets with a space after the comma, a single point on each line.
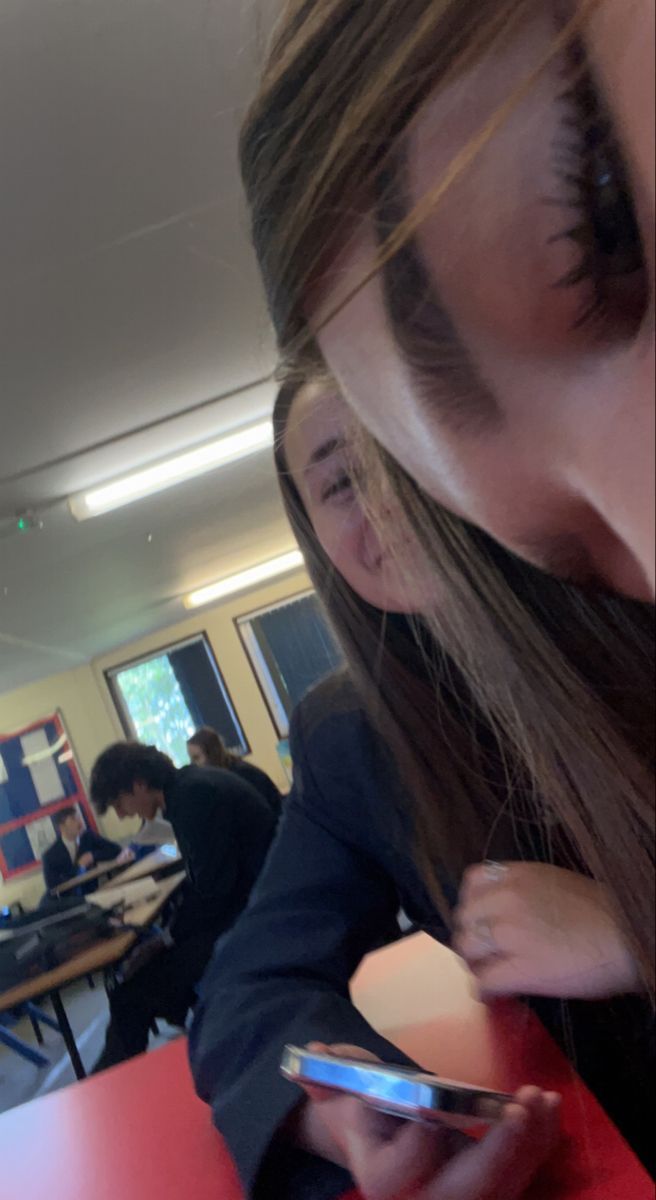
[91, 719]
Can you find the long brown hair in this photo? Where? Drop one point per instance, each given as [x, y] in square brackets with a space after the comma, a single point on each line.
[342, 81]
[564, 679]
[442, 764]
[464, 768]
[211, 744]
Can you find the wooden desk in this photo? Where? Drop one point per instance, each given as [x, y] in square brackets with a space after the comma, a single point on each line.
[103, 868]
[104, 953]
[152, 864]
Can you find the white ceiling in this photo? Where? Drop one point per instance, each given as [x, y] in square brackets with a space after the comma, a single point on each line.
[128, 295]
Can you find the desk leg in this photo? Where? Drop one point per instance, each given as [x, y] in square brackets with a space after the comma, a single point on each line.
[37, 1015]
[36, 1028]
[67, 1034]
[15, 1043]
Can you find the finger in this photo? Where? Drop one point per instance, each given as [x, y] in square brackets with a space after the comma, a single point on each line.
[389, 1157]
[503, 976]
[344, 1050]
[319, 1095]
[497, 903]
[516, 975]
[489, 940]
[482, 877]
[473, 947]
[506, 1159]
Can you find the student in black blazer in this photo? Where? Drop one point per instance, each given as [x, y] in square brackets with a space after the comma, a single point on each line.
[344, 862]
[341, 867]
[75, 850]
[223, 829]
[206, 749]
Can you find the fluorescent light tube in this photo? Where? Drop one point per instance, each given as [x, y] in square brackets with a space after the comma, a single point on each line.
[244, 579]
[173, 470]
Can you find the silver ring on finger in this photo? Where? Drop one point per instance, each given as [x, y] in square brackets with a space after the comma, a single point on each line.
[482, 930]
[494, 871]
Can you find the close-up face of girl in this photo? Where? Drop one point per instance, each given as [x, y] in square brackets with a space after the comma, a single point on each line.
[505, 355]
[319, 452]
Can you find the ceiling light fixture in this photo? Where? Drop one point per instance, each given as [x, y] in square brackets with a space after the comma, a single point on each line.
[171, 471]
[244, 579]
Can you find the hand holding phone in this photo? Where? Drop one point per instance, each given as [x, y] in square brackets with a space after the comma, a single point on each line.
[400, 1091]
[390, 1158]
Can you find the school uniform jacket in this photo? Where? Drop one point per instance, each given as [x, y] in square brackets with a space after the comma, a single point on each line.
[339, 870]
[58, 866]
[224, 829]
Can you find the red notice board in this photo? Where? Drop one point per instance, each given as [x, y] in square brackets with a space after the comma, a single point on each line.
[38, 776]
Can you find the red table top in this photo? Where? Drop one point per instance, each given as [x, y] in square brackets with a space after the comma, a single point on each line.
[139, 1132]
[133, 1132]
[420, 996]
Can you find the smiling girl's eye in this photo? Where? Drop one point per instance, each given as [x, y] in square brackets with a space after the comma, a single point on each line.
[611, 266]
[337, 487]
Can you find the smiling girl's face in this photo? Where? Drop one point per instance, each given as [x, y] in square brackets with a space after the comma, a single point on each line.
[377, 562]
[505, 357]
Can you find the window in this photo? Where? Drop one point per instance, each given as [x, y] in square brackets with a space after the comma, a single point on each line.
[291, 647]
[164, 697]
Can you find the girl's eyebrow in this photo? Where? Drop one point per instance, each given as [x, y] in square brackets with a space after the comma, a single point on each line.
[426, 337]
[324, 451]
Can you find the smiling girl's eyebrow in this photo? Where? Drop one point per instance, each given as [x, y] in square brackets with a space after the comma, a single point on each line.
[425, 335]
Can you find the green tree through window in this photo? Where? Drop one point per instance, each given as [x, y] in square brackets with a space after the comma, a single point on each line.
[157, 707]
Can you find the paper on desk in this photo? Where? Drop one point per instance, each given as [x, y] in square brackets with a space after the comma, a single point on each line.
[153, 833]
[129, 894]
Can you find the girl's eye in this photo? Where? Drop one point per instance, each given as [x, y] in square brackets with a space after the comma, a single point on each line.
[338, 487]
[611, 265]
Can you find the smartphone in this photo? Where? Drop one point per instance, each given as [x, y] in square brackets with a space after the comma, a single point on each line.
[401, 1091]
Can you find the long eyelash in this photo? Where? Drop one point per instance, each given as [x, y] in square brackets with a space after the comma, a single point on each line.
[340, 485]
[585, 155]
[570, 163]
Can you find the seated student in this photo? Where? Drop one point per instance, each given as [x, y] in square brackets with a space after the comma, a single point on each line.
[223, 829]
[206, 749]
[346, 857]
[76, 850]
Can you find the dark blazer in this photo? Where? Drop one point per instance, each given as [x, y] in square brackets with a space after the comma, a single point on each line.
[58, 866]
[339, 870]
[223, 828]
[259, 780]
